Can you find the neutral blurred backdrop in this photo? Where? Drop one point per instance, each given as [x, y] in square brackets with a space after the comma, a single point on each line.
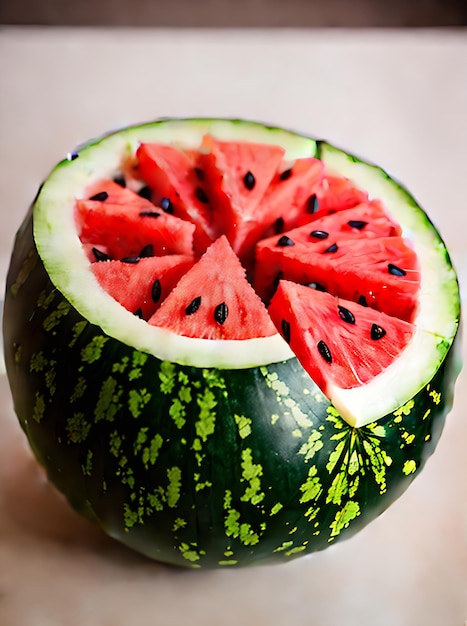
[236, 13]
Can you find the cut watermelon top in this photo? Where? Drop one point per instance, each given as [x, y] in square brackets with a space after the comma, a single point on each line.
[235, 242]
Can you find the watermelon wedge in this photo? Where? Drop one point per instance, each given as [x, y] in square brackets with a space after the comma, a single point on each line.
[238, 175]
[121, 224]
[381, 272]
[286, 200]
[142, 284]
[228, 343]
[340, 343]
[231, 309]
[177, 184]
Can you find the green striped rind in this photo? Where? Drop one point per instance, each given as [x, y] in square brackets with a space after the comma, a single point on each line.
[199, 466]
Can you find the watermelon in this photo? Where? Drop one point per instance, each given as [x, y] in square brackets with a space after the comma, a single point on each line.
[235, 192]
[225, 312]
[228, 343]
[343, 345]
[384, 272]
[143, 291]
[174, 181]
[137, 225]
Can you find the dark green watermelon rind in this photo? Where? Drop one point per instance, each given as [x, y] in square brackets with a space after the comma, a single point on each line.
[195, 466]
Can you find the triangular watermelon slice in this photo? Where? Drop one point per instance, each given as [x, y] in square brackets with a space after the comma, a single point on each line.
[283, 203]
[141, 286]
[120, 223]
[380, 272]
[215, 301]
[238, 175]
[178, 185]
[365, 221]
[338, 342]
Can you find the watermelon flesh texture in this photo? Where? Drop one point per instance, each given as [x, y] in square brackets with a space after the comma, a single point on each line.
[238, 175]
[337, 193]
[142, 290]
[365, 220]
[120, 223]
[337, 341]
[382, 272]
[218, 202]
[215, 301]
[284, 202]
[176, 179]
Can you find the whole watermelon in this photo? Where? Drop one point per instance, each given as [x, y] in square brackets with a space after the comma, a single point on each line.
[207, 452]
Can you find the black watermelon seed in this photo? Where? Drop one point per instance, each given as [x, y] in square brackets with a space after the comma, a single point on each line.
[130, 259]
[199, 173]
[201, 195]
[325, 352]
[317, 286]
[99, 255]
[279, 225]
[138, 313]
[221, 312]
[319, 234]
[193, 306]
[332, 248]
[312, 204]
[149, 214]
[362, 301]
[377, 332]
[286, 330]
[285, 241]
[147, 251]
[396, 271]
[166, 205]
[156, 291]
[101, 196]
[145, 192]
[71, 156]
[249, 181]
[346, 315]
[120, 180]
[358, 224]
[286, 174]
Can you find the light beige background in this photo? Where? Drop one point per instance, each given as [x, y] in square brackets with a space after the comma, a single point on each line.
[397, 98]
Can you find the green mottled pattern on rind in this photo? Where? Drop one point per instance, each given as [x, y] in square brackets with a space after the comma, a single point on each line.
[199, 467]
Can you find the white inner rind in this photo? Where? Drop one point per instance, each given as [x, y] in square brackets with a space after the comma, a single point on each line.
[66, 263]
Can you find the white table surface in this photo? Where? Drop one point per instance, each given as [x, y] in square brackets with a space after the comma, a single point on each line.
[398, 98]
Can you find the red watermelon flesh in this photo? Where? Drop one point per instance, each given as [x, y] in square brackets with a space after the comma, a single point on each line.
[382, 272]
[214, 300]
[121, 224]
[177, 182]
[337, 193]
[238, 175]
[235, 193]
[281, 206]
[337, 341]
[143, 285]
[365, 221]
